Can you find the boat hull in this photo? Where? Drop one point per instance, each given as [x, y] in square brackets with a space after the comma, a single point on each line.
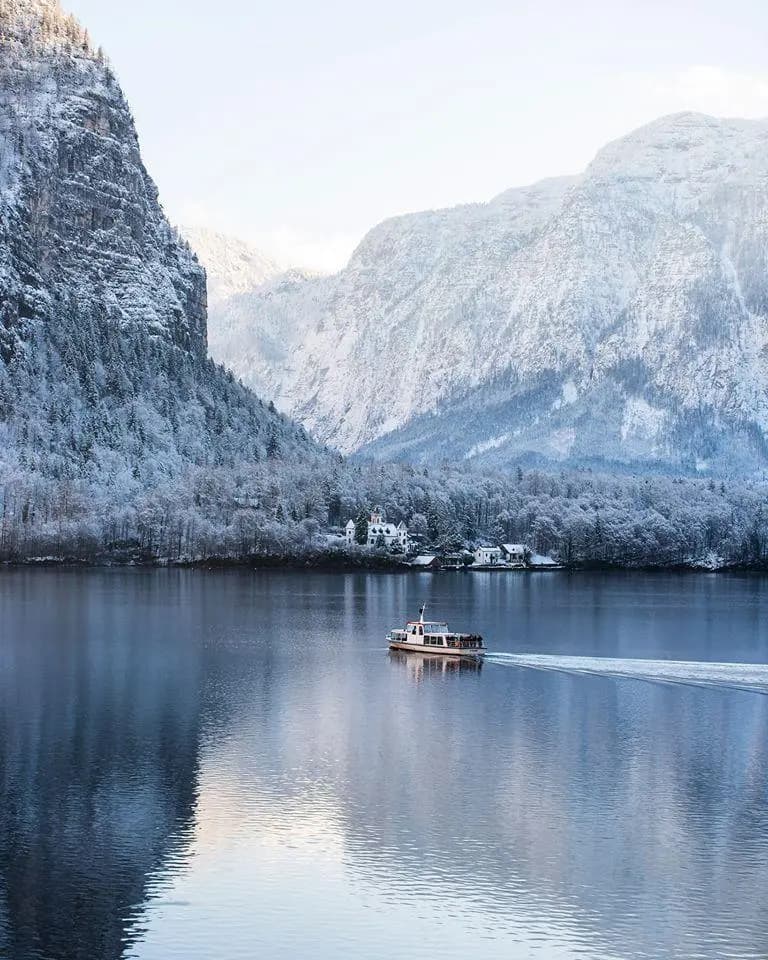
[435, 651]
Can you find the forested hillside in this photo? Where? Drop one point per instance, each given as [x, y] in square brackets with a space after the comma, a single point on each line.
[280, 510]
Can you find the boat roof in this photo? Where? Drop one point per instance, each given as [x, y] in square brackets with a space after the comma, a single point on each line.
[427, 623]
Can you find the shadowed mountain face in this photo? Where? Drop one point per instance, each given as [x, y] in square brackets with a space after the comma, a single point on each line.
[81, 219]
[104, 372]
[620, 316]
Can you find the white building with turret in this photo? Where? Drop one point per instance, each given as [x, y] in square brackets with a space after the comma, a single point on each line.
[380, 532]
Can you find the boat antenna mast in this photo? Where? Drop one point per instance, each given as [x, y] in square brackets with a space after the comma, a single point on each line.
[421, 612]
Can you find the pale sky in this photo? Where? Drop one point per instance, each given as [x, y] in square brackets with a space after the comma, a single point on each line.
[300, 124]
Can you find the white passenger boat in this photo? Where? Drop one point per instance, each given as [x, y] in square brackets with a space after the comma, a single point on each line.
[432, 636]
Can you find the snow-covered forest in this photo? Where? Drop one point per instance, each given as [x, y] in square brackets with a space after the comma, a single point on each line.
[281, 509]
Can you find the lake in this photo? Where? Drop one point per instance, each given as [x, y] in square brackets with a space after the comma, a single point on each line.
[225, 765]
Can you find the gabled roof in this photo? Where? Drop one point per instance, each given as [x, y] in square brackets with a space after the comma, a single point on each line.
[423, 561]
[514, 547]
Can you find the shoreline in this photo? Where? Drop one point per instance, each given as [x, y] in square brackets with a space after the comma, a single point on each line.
[360, 565]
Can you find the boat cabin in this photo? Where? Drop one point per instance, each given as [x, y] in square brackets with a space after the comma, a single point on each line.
[432, 633]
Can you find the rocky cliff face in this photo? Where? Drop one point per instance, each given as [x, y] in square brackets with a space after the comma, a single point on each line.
[103, 335]
[618, 317]
[81, 209]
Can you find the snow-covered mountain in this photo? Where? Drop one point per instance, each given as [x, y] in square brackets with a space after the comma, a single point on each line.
[232, 266]
[104, 370]
[620, 316]
[259, 344]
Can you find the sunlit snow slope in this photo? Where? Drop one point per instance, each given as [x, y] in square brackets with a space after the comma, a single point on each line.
[620, 317]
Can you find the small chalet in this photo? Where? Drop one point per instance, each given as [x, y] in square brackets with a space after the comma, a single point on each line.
[488, 556]
[516, 553]
[380, 531]
[426, 562]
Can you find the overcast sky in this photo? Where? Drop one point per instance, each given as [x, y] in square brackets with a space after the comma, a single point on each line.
[300, 124]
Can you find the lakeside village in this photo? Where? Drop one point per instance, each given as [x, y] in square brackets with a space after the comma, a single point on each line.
[375, 533]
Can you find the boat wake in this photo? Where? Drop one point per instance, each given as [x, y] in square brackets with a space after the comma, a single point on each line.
[739, 676]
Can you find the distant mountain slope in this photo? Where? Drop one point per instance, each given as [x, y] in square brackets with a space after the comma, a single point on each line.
[406, 323]
[104, 371]
[232, 266]
[635, 326]
[619, 317]
[257, 342]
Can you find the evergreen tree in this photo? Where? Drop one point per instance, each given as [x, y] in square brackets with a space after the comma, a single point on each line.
[361, 528]
[274, 449]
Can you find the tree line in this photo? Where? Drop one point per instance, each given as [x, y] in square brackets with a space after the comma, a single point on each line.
[286, 510]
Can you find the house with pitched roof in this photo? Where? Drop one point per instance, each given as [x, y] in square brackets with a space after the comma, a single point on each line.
[381, 533]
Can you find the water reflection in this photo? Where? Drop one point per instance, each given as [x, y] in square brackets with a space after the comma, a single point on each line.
[225, 765]
[592, 816]
[420, 666]
[99, 730]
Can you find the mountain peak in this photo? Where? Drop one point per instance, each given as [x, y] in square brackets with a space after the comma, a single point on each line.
[104, 368]
[690, 146]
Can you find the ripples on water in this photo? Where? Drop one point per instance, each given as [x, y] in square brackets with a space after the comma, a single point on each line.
[230, 765]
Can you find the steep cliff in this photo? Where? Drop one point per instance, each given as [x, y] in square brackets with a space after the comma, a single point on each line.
[104, 370]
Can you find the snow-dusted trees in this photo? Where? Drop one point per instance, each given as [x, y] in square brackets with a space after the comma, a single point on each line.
[274, 510]
[361, 527]
[37, 23]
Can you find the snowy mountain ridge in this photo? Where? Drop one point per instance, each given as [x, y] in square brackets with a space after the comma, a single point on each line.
[618, 317]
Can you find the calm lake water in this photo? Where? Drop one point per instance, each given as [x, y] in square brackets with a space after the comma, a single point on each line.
[230, 765]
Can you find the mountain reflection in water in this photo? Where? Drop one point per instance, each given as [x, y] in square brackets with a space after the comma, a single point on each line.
[224, 765]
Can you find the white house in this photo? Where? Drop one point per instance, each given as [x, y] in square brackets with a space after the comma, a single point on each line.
[515, 552]
[488, 556]
[381, 531]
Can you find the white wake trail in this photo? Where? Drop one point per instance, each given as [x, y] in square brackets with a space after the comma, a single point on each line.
[741, 676]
